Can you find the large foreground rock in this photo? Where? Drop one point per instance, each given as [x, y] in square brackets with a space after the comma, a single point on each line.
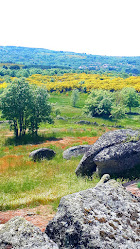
[43, 153]
[105, 145]
[104, 217]
[118, 158]
[75, 151]
[20, 234]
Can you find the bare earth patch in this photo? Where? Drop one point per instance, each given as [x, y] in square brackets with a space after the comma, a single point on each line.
[68, 142]
[39, 216]
[132, 187]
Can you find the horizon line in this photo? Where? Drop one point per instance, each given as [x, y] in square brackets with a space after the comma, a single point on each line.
[67, 51]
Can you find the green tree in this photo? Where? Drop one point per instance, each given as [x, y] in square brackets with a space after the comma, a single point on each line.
[117, 112]
[24, 106]
[15, 102]
[130, 97]
[74, 97]
[99, 103]
[40, 109]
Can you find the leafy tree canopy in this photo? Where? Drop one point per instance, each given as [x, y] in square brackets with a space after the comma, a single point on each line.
[130, 97]
[99, 103]
[25, 106]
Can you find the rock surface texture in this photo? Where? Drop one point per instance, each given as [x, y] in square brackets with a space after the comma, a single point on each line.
[43, 153]
[114, 152]
[104, 217]
[75, 151]
[118, 158]
[21, 234]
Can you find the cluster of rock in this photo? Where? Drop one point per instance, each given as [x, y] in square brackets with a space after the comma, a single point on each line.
[106, 216]
[86, 122]
[82, 122]
[114, 152]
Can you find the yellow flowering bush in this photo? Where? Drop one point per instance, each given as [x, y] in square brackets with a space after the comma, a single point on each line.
[84, 81]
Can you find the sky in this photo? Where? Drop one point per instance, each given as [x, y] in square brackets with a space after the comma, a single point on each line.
[100, 27]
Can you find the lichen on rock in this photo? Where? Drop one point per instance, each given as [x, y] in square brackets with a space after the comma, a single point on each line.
[106, 216]
[19, 233]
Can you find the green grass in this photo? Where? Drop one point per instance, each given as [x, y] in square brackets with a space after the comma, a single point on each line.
[63, 103]
[24, 183]
[138, 184]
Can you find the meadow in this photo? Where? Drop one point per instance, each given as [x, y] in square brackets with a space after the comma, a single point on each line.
[24, 183]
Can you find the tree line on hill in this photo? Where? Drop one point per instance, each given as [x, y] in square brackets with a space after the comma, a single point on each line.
[14, 70]
[44, 57]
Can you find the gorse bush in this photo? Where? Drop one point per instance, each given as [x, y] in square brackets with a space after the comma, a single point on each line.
[83, 82]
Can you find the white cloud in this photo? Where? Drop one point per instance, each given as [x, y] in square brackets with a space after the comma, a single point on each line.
[108, 27]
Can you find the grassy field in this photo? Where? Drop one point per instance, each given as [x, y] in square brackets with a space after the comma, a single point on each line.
[24, 183]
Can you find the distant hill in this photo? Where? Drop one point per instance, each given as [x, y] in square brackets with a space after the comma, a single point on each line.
[50, 58]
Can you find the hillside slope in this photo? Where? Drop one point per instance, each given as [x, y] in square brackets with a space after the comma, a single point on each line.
[51, 58]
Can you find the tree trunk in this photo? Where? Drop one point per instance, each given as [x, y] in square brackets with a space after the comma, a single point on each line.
[21, 127]
[15, 129]
[36, 128]
[16, 133]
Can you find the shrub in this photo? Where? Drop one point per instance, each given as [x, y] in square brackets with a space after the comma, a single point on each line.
[74, 97]
[99, 103]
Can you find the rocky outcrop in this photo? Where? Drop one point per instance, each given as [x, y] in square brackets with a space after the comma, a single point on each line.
[107, 142]
[104, 217]
[75, 151]
[118, 158]
[43, 153]
[18, 233]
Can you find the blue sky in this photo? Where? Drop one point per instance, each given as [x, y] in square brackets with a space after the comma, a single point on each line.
[104, 27]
